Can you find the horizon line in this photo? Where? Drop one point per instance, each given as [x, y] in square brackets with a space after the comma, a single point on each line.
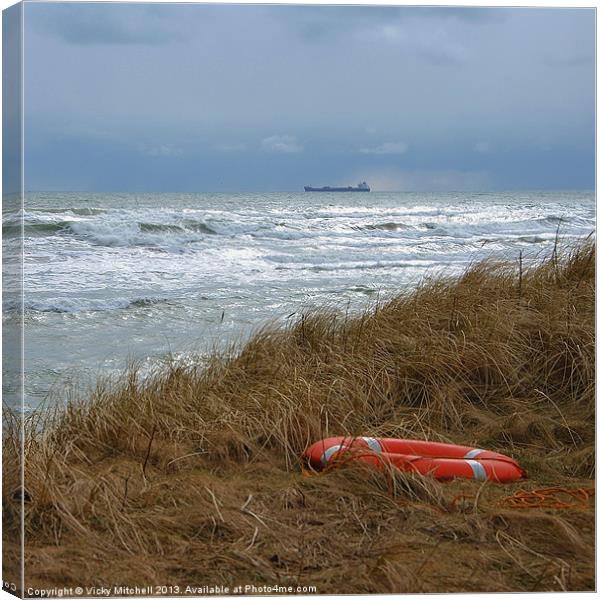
[296, 190]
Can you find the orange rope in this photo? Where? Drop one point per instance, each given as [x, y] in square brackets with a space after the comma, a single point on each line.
[552, 497]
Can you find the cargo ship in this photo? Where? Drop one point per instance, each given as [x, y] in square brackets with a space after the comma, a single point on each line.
[361, 187]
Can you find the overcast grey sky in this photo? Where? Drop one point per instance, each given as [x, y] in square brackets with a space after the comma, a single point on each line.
[212, 97]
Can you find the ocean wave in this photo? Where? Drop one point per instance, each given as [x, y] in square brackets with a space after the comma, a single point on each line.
[554, 220]
[357, 265]
[362, 289]
[175, 229]
[81, 305]
[368, 265]
[387, 226]
[532, 239]
[159, 235]
[185, 226]
[109, 228]
[39, 229]
[82, 211]
[361, 212]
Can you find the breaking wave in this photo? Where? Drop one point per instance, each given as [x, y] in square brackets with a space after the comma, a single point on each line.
[80, 305]
[388, 226]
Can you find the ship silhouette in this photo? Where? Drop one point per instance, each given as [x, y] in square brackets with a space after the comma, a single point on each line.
[361, 187]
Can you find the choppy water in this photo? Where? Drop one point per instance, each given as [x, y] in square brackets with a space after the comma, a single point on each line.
[110, 277]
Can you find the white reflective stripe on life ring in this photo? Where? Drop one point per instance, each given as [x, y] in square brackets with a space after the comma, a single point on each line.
[329, 452]
[478, 470]
[373, 443]
[473, 453]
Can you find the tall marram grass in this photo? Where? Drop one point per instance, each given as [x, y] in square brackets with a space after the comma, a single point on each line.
[192, 476]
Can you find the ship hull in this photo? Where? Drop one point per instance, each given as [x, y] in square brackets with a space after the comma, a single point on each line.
[333, 189]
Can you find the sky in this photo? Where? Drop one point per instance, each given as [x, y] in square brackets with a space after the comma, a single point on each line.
[186, 98]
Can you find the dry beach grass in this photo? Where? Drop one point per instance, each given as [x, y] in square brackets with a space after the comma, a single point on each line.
[192, 477]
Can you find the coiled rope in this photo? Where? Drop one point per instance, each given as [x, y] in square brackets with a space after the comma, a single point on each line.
[551, 497]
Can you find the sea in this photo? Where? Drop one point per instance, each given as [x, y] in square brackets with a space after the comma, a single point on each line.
[116, 279]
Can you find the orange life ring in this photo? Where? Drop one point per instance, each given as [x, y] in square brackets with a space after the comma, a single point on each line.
[442, 461]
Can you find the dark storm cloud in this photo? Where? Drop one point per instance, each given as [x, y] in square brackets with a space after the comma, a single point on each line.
[91, 24]
[322, 24]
